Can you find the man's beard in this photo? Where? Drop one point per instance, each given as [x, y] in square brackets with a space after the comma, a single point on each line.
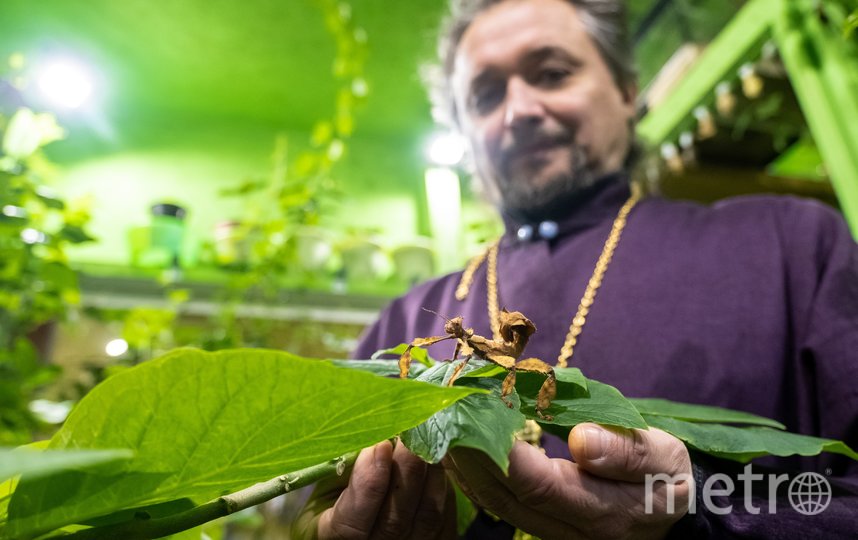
[524, 200]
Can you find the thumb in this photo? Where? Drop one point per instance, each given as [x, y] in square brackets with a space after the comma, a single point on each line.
[627, 455]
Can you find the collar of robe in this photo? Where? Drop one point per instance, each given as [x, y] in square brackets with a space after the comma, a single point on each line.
[589, 207]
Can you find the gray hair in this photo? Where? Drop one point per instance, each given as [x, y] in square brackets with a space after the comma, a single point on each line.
[604, 21]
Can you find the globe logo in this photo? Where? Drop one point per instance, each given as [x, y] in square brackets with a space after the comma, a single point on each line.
[809, 493]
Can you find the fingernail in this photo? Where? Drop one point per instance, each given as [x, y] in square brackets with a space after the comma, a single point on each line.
[379, 457]
[595, 443]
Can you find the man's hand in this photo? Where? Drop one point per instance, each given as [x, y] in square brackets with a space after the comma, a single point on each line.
[391, 494]
[601, 495]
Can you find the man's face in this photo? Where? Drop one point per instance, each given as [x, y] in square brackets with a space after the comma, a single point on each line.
[538, 104]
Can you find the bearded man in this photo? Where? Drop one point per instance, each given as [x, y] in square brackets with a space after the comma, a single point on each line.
[750, 304]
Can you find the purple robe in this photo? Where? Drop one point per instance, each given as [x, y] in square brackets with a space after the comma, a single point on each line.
[750, 304]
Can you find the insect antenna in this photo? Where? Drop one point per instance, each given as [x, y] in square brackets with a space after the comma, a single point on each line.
[435, 313]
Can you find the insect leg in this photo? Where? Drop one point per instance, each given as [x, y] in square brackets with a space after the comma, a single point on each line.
[508, 386]
[548, 390]
[405, 359]
[458, 370]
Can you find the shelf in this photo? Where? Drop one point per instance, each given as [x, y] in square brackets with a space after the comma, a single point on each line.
[109, 287]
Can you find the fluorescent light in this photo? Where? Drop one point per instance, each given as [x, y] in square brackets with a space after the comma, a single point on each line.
[446, 149]
[444, 199]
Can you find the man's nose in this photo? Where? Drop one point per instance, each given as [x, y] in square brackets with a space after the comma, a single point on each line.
[524, 109]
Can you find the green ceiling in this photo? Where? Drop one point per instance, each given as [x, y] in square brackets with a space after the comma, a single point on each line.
[165, 63]
[265, 61]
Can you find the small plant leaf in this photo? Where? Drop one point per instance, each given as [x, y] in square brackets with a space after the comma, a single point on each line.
[700, 413]
[488, 370]
[75, 234]
[202, 424]
[571, 376]
[564, 375]
[384, 368]
[746, 443]
[417, 353]
[480, 421]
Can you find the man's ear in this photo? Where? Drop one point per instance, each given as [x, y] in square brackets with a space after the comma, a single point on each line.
[630, 93]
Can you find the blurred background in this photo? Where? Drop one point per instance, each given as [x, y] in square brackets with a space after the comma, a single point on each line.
[268, 174]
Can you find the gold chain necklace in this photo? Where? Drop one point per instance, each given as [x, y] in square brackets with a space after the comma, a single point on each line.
[577, 326]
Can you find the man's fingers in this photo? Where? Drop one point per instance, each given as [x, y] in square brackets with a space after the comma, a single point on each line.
[482, 481]
[406, 488]
[355, 512]
[433, 509]
[627, 455]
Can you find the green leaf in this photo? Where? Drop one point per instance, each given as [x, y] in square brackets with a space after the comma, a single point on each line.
[571, 376]
[488, 370]
[384, 368]
[50, 199]
[33, 463]
[202, 424]
[700, 413]
[599, 403]
[75, 234]
[746, 443]
[480, 421]
[417, 353]
[564, 375]
[59, 276]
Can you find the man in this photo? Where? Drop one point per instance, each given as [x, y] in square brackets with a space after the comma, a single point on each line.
[751, 304]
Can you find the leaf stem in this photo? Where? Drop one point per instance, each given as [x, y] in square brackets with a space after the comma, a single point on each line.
[142, 527]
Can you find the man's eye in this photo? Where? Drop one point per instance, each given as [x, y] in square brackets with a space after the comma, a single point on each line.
[485, 100]
[551, 76]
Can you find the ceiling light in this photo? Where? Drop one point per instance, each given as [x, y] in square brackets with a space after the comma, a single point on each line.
[66, 83]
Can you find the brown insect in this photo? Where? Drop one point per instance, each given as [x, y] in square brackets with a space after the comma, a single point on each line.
[515, 330]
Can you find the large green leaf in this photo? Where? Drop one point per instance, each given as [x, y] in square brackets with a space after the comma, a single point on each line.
[202, 424]
[599, 403]
[33, 463]
[700, 413]
[745, 443]
[480, 421]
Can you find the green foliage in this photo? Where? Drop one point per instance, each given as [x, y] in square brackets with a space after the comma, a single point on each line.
[203, 424]
[36, 226]
[700, 413]
[745, 443]
[15, 461]
[480, 421]
[599, 403]
[417, 353]
[384, 368]
[21, 375]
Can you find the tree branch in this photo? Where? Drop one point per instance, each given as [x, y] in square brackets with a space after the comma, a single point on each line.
[142, 527]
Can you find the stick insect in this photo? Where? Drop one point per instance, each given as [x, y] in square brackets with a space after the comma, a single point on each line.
[515, 330]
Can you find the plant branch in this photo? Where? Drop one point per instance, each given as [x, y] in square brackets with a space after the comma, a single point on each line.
[143, 527]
